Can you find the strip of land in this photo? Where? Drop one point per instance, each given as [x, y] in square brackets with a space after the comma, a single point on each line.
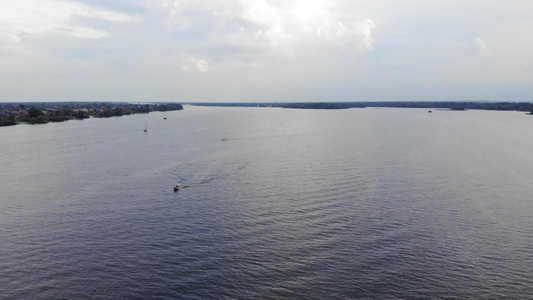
[40, 113]
[452, 105]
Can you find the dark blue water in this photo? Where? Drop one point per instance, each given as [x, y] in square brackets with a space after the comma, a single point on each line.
[295, 204]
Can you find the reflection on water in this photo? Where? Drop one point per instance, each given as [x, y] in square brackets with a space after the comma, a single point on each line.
[359, 203]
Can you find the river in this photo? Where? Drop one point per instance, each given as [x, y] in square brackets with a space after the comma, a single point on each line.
[276, 204]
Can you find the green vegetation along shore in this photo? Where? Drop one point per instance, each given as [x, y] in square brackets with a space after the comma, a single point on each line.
[40, 113]
[452, 105]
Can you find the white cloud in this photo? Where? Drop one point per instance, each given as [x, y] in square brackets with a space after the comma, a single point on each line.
[311, 28]
[190, 62]
[482, 48]
[37, 17]
[258, 31]
[9, 38]
[87, 33]
[93, 13]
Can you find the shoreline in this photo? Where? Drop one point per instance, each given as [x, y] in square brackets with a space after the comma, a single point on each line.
[12, 114]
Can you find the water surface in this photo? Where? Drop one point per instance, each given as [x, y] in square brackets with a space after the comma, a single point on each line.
[310, 204]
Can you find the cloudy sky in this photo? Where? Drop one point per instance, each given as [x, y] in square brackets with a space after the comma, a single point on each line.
[266, 50]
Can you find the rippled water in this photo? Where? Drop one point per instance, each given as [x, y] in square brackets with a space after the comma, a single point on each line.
[309, 204]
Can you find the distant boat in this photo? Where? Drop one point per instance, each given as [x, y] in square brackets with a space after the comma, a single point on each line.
[429, 111]
[177, 187]
[224, 139]
[164, 118]
[145, 127]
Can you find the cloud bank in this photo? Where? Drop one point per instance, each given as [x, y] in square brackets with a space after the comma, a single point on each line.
[255, 32]
[33, 17]
[265, 50]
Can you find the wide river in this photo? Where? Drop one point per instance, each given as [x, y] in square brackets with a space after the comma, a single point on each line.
[277, 204]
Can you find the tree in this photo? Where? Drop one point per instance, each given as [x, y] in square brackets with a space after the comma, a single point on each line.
[144, 109]
[34, 112]
[7, 121]
[168, 107]
[80, 114]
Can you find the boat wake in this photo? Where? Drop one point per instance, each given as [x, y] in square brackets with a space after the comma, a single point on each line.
[201, 178]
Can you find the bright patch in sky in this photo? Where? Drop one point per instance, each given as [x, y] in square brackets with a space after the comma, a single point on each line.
[37, 17]
[266, 50]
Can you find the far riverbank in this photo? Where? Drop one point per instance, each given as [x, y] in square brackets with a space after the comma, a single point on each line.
[452, 105]
[41, 113]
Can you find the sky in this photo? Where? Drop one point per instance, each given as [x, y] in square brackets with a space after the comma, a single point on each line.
[266, 50]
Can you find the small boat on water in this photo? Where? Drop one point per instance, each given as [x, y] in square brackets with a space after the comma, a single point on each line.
[145, 127]
[177, 187]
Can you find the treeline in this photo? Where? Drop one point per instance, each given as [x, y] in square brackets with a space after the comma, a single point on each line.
[12, 114]
[516, 106]
[7, 121]
[322, 105]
